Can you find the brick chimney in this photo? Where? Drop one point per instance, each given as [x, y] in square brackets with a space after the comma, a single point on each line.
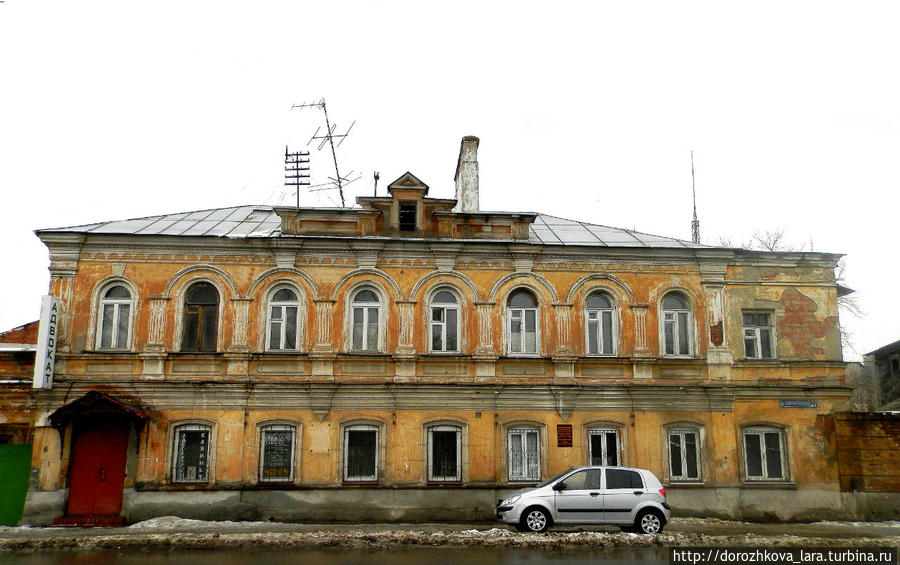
[467, 176]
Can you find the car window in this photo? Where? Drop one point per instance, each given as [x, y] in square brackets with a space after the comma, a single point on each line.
[583, 480]
[621, 478]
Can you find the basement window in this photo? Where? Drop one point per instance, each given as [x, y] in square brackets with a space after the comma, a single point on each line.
[407, 217]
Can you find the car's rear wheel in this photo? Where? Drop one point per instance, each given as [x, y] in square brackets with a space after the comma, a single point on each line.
[536, 520]
[649, 522]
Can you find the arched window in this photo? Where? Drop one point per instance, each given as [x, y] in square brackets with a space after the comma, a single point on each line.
[765, 456]
[684, 453]
[366, 307]
[276, 452]
[524, 447]
[190, 461]
[677, 334]
[522, 322]
[114, 330]
[601, 327]
[284, 306]
[444, 322]
[201, 317]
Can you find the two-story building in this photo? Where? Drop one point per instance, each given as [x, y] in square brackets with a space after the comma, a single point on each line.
[414, 358]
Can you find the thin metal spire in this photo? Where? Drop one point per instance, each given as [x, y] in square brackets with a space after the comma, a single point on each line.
[695, 224]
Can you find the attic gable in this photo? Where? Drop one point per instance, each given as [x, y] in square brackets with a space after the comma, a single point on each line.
[408, 181]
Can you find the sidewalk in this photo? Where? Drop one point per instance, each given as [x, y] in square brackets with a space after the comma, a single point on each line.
[174, 533]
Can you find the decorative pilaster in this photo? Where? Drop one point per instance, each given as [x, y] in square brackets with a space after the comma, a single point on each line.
[640, 330]
[241, 308]
[405, 344]
[157, 337]
[485, 341]
[563, 347]
[324, 314]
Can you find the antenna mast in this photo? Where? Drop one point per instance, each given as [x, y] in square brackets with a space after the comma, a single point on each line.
[296, 170]
[695, 224]
[328, 137]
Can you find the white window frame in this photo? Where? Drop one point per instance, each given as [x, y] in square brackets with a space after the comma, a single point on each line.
[754, 334]
[177, 431]
[346, 454]
[283, 306]
[276, 427]
[670, 315]
[430, 447]
[116, 304]
[444, 307]
[526, 463]
[366, 308]
[680, 433]
[782, 449]
[604, 456]
[522, 312]
[598, 312]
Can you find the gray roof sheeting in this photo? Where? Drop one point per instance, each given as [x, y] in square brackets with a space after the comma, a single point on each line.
[262, 221]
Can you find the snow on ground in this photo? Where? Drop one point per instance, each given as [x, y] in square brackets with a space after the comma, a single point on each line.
[168, 523]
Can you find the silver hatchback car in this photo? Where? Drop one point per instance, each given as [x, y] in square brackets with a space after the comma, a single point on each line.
[631, 498]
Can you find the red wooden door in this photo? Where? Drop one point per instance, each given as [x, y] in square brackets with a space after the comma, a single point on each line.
[98, 466]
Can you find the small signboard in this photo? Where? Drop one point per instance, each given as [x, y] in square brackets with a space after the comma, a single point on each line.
[563, 435]
[798, 403]
[48, 332]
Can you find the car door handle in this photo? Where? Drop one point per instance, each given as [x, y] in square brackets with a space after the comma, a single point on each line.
[595, 494]
[638, 492]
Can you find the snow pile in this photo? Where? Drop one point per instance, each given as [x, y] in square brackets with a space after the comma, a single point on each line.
[491, 532]
[168, 523]
[886, 524]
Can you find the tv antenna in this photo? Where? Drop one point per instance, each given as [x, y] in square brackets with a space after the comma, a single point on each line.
[695, 223]
[296, 170]
[328, 136]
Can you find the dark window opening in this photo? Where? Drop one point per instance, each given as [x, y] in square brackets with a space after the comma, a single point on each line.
[361, 454]
[278, 451]
[444, 461]
[191, 454]
[407, 217]
[201, 309]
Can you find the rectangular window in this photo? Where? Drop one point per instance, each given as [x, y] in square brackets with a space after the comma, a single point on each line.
[684, 455]
[764, 454]
[524, 454]
[523, 330]
[407, 217]
[604, 446]
[444, 453]
[276, 453]
[365, 328]
[361, 453]
[759, 335]
[191, 454]
[443, 329]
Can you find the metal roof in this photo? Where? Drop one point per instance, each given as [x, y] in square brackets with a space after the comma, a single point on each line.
[262, 221]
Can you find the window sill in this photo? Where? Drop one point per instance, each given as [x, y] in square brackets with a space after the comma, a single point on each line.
[785, 485]
[684, 484]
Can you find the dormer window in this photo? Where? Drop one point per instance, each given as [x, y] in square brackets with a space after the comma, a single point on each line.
[407, 217]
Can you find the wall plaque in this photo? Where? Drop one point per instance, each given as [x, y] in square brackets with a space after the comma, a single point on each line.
[563, 435]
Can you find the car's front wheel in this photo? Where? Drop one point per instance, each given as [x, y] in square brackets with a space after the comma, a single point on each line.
[649, 522]
[536, 520]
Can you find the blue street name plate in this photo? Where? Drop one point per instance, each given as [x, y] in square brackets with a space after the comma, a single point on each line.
[791, 403]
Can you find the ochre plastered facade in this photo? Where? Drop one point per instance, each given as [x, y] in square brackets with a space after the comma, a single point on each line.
[402, 389]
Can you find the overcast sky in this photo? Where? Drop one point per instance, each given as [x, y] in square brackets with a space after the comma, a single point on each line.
[585, 110]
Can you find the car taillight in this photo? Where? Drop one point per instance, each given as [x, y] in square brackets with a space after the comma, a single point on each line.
[662, 491]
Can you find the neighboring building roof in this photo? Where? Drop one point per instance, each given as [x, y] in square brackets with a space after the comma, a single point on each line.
[262, 221]
[885, 350]
[23, 335]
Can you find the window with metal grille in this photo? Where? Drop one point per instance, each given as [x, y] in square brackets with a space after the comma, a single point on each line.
[444, 322]
[522, 322]
[684, 455]
[366, 307]
[407, 217]
[201, 310]
[604, 446]
[759, 335]
[524, 447]
[444, 453]
[191, 457]
[677, 334]
[276, 452]
[361, 452]
[114, 330]
[764, 454]
[599, 314]
[284, 307]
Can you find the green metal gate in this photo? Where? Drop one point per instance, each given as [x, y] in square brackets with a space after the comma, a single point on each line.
[15, 467]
